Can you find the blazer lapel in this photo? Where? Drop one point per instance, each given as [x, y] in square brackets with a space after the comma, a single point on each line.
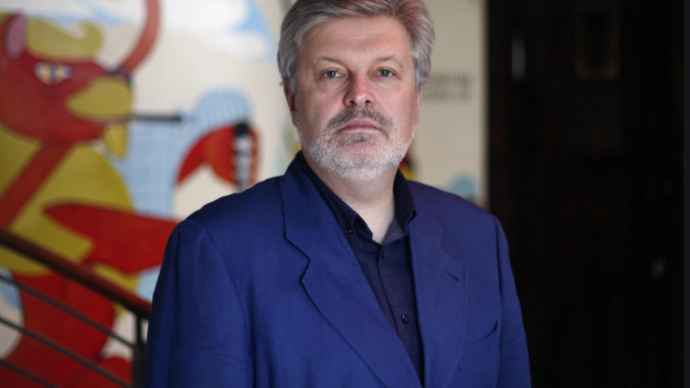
[441, 291]
[335, 283]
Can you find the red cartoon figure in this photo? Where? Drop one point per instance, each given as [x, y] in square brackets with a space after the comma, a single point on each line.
[57, 107]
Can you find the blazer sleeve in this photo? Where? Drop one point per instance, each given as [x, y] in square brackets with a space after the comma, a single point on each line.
[197, 334]
[514, 361]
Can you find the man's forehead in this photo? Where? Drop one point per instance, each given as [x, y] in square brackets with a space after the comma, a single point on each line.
[382, 37]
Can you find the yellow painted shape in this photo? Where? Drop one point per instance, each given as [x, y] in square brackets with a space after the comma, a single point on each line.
[15, 152]
[105, 98]
[84, 176]
[115, 138]
[50, 41]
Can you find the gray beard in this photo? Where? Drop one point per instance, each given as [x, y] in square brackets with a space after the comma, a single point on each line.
[328, 152]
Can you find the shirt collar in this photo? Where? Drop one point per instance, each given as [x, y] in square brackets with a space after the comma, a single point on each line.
[405, 209]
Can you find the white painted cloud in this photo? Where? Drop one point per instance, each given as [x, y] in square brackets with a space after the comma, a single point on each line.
[213, 21]
[119, 11]
[196, 16]
[241, 45]
[44, 7]
[199, 16]
[205, 16]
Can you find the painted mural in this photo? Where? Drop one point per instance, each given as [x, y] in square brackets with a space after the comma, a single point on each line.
[118, 118]
[65, 122]
[62, 194]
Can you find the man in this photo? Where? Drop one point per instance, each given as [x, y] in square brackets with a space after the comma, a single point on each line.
[341, 273]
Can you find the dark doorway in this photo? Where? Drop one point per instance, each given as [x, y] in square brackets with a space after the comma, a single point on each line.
[585, 145]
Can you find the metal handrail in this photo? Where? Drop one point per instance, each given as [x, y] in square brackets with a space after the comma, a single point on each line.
[26, 374]
[81, 275]
[92, 365]
[52, 302]
[140, 308]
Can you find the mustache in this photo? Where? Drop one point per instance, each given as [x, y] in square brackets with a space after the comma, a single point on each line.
[350, 114]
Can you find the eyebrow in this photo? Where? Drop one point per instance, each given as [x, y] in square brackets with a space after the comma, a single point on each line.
[390, 58]
[379, 59]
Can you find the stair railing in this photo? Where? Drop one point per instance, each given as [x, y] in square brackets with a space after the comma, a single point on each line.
[140, 308]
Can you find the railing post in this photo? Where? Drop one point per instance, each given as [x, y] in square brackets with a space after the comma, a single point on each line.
[140, 308]
[138, 353]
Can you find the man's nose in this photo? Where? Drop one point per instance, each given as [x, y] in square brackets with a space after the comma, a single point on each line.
[359, 93]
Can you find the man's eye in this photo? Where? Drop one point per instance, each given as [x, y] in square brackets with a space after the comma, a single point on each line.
[385, 73]
[330, 74]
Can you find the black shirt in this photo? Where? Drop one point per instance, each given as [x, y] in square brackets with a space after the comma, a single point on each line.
[387, 266]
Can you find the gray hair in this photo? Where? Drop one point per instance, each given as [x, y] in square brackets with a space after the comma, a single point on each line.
[306, 14]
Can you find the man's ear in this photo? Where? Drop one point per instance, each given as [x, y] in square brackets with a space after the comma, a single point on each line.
[290, 98]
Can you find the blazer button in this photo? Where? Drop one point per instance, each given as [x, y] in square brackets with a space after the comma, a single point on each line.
[404, 318]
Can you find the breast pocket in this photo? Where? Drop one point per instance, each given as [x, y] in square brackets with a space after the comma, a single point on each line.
[478, 365]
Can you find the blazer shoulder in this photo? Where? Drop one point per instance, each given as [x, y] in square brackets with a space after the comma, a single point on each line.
[458, 216]
[259, 204]
[444, 204]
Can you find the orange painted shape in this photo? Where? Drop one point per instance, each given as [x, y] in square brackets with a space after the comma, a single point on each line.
[219, 153]
[193, 160]
[19, 192]
[126, 241]
[216, 150]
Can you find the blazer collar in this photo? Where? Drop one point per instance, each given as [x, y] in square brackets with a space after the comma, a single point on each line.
[303, 209]
[337, 287]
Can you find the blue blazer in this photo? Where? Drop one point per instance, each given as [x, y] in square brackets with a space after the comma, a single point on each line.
[261, 289]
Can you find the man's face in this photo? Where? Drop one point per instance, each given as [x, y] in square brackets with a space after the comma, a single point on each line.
[355, 105]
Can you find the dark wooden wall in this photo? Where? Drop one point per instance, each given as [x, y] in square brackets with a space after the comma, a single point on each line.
[585, 148]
